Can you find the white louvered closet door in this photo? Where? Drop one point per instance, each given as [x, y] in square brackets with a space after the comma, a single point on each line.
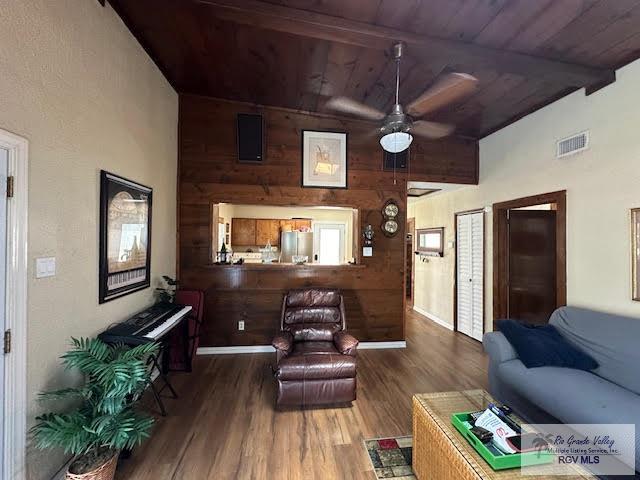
[470, 268]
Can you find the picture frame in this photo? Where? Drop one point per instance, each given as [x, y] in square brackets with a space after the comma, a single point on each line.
[125, 237]
[635, 254]
[430, 241]
[324, 159]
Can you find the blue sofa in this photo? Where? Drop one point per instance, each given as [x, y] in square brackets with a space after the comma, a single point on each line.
[608, 394]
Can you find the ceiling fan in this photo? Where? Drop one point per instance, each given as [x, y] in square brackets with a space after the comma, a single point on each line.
[398, 127]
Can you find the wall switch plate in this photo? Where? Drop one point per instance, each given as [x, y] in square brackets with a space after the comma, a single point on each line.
[45, 267]
[241, 325]
[367, 251]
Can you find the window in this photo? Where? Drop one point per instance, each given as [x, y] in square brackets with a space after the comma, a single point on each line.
[430, 241]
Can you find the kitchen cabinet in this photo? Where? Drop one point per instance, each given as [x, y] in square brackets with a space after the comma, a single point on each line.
[267, 231]
[243, 232]
[287, 225]
[275, 232]
[257, 232]
[300, 224]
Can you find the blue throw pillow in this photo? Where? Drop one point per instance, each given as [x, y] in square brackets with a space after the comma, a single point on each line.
[543, 346]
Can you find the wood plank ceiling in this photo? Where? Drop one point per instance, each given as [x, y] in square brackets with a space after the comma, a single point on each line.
[298, 53]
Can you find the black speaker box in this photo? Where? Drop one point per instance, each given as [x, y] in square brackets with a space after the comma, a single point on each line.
[250, 138]
[400, 160]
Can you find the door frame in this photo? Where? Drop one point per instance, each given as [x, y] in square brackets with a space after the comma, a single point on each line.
[411, 222]
[343, 240]
[501, 248]
[15, 363]
[484, 267]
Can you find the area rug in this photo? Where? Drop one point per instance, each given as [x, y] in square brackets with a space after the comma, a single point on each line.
[391, 457]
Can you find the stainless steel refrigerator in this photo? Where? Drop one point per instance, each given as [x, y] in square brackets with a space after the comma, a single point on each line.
[296, 243]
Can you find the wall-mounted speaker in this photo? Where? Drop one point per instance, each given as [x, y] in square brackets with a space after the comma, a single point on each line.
[250, 138]
[398, 160]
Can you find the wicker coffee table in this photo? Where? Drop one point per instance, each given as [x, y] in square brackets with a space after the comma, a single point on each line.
[441, 453]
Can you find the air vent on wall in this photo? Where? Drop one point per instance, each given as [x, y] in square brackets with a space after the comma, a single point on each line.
[573, 144]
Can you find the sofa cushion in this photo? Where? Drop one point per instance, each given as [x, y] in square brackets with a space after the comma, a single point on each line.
[314, 348]
[316, 367]
[542, 345]
[572, 396]
[612, 340]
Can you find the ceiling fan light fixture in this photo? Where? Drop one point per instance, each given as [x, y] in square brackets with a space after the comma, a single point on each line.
[396, 142]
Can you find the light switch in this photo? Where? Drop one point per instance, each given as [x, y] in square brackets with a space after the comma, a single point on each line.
[45, 267]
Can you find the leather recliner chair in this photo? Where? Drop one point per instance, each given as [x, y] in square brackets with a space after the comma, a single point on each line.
[316, 358]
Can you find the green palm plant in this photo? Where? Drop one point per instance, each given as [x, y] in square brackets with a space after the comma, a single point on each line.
[104, 420]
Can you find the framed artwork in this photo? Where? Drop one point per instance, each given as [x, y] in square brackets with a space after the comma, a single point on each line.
[125, 237]
[324, 159]
[635, 253]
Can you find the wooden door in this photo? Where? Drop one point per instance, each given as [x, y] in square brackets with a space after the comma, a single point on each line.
[470, 274]
[532, 265]
[243, 232]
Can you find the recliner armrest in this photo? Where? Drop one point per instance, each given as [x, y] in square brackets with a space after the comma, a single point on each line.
[498, 347]
[345, 343]
[283, 342]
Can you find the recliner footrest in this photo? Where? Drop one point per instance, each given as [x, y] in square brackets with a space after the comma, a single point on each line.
[316, 367]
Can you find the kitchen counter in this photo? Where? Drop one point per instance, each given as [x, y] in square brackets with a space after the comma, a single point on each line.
[277, 265]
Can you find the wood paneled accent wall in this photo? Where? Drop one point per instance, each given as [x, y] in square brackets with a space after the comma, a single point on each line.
[209, 173]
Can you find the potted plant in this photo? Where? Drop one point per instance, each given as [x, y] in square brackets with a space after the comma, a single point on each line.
[104, 420]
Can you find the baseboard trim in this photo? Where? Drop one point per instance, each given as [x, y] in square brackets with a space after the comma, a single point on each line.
[233, 350]
[270, 349]
[381, 345]
[433, 318]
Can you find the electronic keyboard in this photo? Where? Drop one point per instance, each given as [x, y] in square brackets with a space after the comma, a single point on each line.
[146, 326]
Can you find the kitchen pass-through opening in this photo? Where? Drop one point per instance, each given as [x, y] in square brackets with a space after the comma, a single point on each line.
[315, 235]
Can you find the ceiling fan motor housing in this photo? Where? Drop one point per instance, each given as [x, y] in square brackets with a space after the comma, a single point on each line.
[396, 121]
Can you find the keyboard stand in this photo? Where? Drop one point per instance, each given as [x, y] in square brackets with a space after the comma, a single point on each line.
[155, 365]
[163, 369]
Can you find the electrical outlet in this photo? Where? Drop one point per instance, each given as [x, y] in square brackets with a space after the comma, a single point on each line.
[241, 325]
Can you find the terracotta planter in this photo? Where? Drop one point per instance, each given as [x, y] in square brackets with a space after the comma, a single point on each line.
[104, 472]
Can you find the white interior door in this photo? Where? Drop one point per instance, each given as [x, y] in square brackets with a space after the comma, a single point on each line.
[329, 243]
[3, 257]
[470, 274]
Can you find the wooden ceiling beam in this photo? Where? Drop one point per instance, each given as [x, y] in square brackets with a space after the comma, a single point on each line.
[459, 56]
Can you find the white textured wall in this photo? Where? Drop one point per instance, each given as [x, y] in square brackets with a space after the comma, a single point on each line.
[602, 184]
[79, 87]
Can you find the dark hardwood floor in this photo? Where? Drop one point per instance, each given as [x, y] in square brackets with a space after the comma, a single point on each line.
[224, 425]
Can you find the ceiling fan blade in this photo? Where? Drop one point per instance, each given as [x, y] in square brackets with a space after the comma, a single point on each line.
[446, 90]
[432, 130]
[353, 107]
